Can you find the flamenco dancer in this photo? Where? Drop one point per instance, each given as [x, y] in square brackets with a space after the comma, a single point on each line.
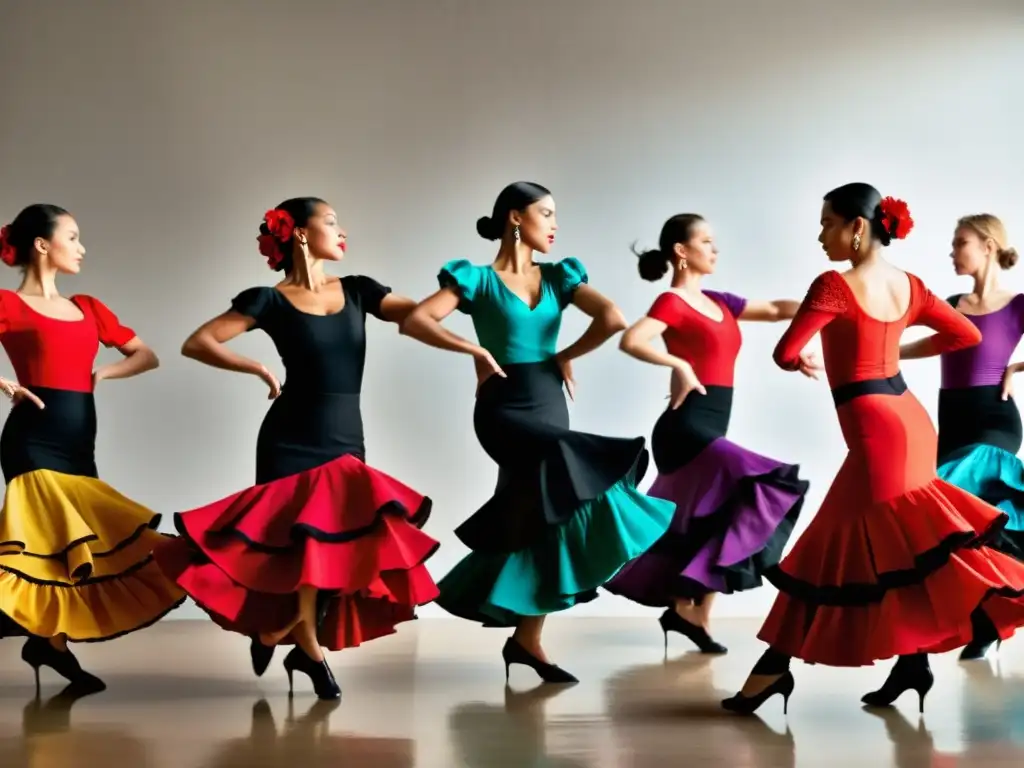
[894, 562]
[979, 424]
[76, 558]
[566, 514]
[735, 510]
[323, 550]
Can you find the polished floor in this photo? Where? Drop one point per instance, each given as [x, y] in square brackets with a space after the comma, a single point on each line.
[181, 695]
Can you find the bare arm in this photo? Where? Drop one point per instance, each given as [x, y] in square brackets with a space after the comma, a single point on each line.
[915, 350]
[138, 358]
[207, 344]
[636, 342]
[769, 311]
[423, 323]
[395, 308]
[606, 320]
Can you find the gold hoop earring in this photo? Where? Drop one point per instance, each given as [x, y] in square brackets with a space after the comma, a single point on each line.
[856, 242]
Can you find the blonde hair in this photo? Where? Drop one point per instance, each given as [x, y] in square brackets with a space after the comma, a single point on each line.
[989, 227]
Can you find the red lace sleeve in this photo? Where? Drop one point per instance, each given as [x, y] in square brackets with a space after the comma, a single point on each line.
[953, 331]
[825, 300]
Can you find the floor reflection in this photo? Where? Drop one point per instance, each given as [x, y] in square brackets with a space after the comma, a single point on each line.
[514, 734]
[305, 740]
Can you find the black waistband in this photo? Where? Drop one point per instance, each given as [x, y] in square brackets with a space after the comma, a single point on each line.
[894, 385]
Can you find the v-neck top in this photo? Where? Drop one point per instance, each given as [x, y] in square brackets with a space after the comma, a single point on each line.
[710, 346]
[505, 325]
[320, 353]
[985, 364]
[54, 353]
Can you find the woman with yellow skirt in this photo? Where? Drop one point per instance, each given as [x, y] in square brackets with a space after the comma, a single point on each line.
[75, 555]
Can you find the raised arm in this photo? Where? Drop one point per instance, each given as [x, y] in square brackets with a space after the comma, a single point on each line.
[606, 320]
[953, 331]
[138, 356]
[208, 343]
[423, 323]
[824, 302]
[769, 311]
[395, 308]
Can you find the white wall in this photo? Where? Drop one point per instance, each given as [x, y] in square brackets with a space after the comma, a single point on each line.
[168, 128]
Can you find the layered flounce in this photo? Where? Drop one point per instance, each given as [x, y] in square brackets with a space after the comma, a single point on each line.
[76, 557]
[735, 513]
[343, 528]
[899, 577]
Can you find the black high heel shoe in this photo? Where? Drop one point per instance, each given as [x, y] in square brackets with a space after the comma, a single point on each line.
[324, 684]
[514, 653]
[260, 654]
[975, 651]
[747, 705]
[671, 621]
[905, 676]
[39, 652]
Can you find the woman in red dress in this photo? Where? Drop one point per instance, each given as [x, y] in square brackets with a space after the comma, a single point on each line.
[895, 561]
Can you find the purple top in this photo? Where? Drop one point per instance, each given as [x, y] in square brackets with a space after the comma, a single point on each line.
[984, 364]
[735, 304]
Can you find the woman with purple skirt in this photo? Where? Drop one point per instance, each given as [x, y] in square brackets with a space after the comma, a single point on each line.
[735, 509]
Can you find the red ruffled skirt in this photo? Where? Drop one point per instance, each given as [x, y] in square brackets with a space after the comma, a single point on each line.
[895, 561]
[344, 528]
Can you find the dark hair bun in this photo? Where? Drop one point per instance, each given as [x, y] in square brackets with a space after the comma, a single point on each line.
[1007, 257]
[487, 228]
[653, 264]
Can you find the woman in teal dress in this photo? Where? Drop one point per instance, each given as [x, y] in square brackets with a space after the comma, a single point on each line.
[566, 514]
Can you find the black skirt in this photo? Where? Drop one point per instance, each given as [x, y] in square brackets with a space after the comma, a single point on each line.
[304, 430]
[977, 416]
[681, 434]
[546, 470]
[60, 437]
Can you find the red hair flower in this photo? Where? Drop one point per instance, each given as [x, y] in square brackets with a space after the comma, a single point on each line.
[8, 254]
[896, 217]
[280, 226]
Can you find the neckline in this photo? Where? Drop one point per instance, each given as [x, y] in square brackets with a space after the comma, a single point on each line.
[43, 315]
[865, 313]
[540, 297]
[983, 314]
[288, 301]
[715, 301]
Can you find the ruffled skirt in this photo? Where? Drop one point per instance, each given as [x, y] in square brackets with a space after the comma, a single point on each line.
[896, 560]
[735, 509]
[566, 515]
[76, 556]
[341, 527]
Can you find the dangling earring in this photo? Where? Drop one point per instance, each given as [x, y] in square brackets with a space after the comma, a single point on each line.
[515, 233]
[682, 264]
[856, 242]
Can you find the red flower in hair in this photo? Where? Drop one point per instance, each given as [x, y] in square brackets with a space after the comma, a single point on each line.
[8, 254]
[270, 248]
[281, 226]
[896, 217]
[280, 223]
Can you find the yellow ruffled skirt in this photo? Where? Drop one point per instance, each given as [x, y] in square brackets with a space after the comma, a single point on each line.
[76, 558]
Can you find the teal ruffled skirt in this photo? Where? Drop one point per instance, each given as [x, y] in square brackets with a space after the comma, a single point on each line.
[566, 515]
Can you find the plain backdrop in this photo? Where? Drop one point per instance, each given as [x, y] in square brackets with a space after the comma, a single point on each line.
[169, 128]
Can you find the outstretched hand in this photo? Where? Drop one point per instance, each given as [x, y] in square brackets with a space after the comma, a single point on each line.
[17, 393]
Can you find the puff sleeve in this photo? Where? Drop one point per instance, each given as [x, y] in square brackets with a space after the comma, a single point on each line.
[254, 303]
[462, 277]
[112, 333]
[570, 275]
